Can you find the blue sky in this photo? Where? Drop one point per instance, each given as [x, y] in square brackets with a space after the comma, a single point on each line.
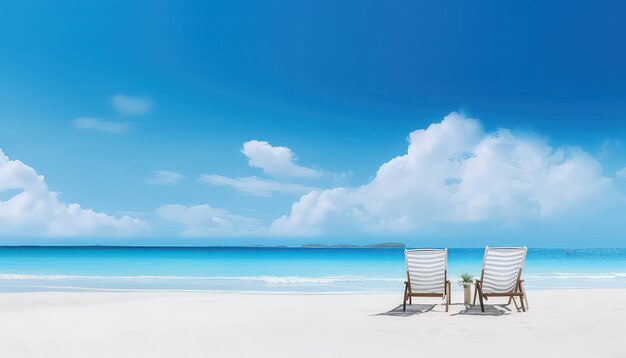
[98, 97]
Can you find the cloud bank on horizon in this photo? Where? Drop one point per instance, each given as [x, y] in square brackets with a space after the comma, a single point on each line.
[204, 220]
[453, 172]
[33, 210]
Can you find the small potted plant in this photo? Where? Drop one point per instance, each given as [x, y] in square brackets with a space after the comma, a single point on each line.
[466, 281]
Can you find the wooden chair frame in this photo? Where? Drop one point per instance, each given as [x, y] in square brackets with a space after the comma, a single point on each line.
[409, 294]
[518, 291]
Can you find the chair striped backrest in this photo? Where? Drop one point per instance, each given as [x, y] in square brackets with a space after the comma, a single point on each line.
[427, 269]
[502, 267]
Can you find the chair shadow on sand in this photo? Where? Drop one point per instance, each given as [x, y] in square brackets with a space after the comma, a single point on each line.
[493, 310]
[490, 310]
[411, 310]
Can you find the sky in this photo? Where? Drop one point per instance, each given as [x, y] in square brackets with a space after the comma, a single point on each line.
[234, 123]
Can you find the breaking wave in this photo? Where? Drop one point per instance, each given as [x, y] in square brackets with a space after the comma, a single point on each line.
[260, 279]
[578, 276]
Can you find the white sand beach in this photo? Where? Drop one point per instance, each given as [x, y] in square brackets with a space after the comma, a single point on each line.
[572, 323]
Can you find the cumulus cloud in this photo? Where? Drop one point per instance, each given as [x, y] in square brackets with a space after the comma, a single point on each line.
[164, 177]
[256, 186]
[33, 210]
[275, 161]
[621, 174]
[131, 105]
[102, 125]
[455, 172]
[204, 220]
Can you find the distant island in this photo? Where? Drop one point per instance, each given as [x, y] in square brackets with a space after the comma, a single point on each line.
[395, 245]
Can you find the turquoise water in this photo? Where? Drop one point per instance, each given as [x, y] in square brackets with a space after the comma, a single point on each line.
[277, 269]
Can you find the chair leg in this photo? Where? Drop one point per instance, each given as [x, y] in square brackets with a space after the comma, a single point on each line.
[480, 297]
[406, 288]
[512, 298]
[521, 299]
[525, 298]
[448, 295]
[410, 300]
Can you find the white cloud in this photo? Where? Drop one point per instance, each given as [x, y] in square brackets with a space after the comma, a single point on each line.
[102, 125]
[608, 147]
[621, 174]
[164, 177]
[255, 185]
[455, 172]
[204, 220]
[275, 161]
[123, 104]
[131, 105]
[36, 211]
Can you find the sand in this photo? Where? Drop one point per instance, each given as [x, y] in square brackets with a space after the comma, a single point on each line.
[564, 323]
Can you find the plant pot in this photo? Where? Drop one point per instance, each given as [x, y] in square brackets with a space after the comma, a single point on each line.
[467, 293]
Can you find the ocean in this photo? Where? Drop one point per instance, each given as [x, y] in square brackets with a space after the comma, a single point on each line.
[288, 270]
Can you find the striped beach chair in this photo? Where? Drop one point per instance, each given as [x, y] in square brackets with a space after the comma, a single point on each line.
[502, 276]
[426, 271]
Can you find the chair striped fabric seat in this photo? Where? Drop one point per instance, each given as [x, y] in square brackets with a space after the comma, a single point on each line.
[502, 275]
[426, 274]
